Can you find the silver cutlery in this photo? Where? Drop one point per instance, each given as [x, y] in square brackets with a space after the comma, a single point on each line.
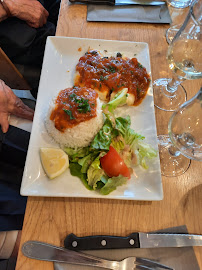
[134, 240]
[120, 2]
[46, 252]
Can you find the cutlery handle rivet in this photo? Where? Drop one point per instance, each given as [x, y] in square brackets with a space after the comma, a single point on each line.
[103, 242]
[74, 244]
[132, 242]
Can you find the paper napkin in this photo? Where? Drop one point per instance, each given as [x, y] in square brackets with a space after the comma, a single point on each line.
[129, 13]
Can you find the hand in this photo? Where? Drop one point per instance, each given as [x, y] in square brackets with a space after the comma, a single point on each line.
[30, 11]
[11, 104]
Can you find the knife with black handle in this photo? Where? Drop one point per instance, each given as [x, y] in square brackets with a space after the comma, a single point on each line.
[120, 2]
[134, 240]
[94, 2]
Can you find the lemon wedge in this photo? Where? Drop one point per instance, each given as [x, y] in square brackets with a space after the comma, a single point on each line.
[54, 160]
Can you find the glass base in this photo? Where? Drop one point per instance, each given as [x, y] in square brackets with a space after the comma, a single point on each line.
[179, 3]
[165, 100]
[171, 32]
[172, 165]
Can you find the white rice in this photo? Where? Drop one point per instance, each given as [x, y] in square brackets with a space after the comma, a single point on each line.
[78, 136]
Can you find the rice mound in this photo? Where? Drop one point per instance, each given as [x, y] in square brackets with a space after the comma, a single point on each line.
[80, 135]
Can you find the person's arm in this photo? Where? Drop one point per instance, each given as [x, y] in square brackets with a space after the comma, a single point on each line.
[30, 11]
[11, 104]
[3, 14]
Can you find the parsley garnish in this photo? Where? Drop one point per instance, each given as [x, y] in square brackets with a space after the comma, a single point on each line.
[69, 112]
[112, 69]
[139, 65]
[84, 107]
[72, 96]
[138, 90]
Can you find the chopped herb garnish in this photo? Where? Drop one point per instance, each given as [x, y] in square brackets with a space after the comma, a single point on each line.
[135, 54]
[112, 69]
[102, 78]
[105, 50]
[138, 90]
[118, 54]
[72, 96]
[139, 65]
[112, 89]
[84, 107]
[131, 72]
[69, 112]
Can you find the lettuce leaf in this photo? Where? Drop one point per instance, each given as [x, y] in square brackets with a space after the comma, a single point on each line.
[112, 184]
[118, 143]
[144, 151]
[122, 124]
[131, 137]
[94, 173]
[75, 154]
[119, 99]
[75, 170]
[86, 161]
[103, 138]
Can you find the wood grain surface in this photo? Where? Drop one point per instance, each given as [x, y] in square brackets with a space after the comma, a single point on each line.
[51, 219]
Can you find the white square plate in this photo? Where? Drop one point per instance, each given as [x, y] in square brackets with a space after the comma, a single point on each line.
[60, 59]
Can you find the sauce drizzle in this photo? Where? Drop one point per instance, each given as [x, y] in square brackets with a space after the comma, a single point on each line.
[112, 74]
[73, 106]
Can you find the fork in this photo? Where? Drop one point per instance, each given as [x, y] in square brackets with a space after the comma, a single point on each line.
[46, 252]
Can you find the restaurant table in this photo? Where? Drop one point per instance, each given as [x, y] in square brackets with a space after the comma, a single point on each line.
[51, 219]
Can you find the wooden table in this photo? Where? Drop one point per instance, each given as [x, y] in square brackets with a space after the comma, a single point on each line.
[51, 219]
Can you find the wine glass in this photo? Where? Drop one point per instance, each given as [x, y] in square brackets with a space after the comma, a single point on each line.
[179, 10]
[185, 138]
[172, 30]
[185, 60]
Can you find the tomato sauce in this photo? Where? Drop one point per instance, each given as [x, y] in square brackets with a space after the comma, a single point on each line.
[73, 106]
[113, 73]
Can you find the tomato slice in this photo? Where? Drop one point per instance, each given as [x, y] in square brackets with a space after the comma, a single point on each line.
[113, 164]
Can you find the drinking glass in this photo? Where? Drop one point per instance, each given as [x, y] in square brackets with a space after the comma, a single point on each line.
[172, 30]
[185, 138]
[179, 3]
[185, 60]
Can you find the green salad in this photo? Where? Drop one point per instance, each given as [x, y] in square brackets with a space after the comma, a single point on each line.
[109, 160]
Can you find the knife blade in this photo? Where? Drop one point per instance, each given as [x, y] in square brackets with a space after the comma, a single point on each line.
[119, 2]
[134, 240]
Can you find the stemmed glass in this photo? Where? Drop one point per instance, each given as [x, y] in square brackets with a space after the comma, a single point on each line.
[185, 60]
[185, 138]
[180, 9]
